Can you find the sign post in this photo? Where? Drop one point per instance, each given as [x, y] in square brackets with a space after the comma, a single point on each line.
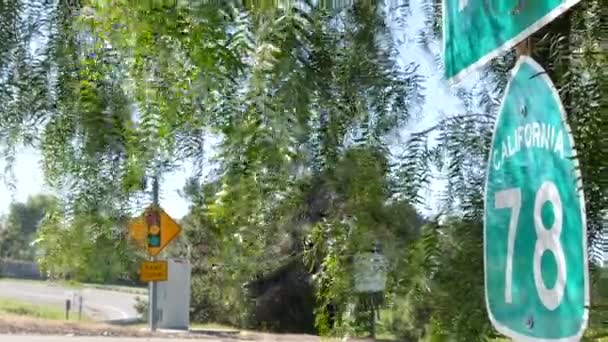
[68, 306]
[535, 252]
[475, 31]
[154, 230]
[153, 224]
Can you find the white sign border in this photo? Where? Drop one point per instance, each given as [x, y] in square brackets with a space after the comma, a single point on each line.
[506, 46]
[579, 184]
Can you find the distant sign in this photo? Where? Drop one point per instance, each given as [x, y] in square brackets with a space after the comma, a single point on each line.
[138, 231]
[154, 230]
[475, 31]
[369, 272]
[153, 271]
[535, 239]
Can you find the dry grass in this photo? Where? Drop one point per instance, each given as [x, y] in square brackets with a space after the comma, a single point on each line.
[22, 325]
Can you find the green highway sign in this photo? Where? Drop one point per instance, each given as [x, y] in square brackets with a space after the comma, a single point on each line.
[475, 31]
[535, 249]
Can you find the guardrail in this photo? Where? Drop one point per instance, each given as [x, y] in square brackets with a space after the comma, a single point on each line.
[20, 269]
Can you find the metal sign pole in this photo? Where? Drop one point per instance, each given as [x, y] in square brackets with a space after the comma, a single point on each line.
[152, 302]
[80, 307]
[67, 309]
[373, 322]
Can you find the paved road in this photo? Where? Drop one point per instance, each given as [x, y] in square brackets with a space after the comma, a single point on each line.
[17, 338]
[205, 338]
[102, 305]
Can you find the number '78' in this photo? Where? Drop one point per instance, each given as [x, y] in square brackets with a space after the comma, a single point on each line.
[547, 239]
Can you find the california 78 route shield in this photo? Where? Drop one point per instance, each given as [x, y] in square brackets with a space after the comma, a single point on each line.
[535, 252]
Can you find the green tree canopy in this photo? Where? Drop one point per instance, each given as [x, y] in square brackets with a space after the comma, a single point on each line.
[21, 224]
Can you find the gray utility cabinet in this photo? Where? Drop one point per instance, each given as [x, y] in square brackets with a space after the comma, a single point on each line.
[174, 296]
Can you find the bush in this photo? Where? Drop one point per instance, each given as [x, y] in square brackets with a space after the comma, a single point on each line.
[217, 298]
[141, 306]
[404, 321]
[284, 299]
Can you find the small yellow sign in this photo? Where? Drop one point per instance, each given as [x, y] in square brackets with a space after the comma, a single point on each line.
[153, 271]
[137, 231]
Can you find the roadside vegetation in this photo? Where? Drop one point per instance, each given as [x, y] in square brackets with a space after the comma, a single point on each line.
[19, 308]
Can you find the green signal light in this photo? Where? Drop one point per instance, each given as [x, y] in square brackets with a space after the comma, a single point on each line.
[153, 241]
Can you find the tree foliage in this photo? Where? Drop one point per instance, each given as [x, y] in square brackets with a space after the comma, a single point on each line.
[21, 224]
[85, 248]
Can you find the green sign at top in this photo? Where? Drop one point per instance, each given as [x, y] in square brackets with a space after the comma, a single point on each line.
[535, 250]
[475, 31]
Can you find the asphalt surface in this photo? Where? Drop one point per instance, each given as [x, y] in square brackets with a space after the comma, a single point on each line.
[26, 338]
[99, 305]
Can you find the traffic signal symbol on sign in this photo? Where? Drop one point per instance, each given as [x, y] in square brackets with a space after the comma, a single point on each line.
[154, 230]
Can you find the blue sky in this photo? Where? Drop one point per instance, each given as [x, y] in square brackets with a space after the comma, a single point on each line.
[30, 182]
[440, 102]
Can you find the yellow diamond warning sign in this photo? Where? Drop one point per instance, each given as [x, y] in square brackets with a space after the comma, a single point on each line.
[154, 230]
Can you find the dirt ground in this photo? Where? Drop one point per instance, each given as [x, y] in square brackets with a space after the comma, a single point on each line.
[19, 325]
